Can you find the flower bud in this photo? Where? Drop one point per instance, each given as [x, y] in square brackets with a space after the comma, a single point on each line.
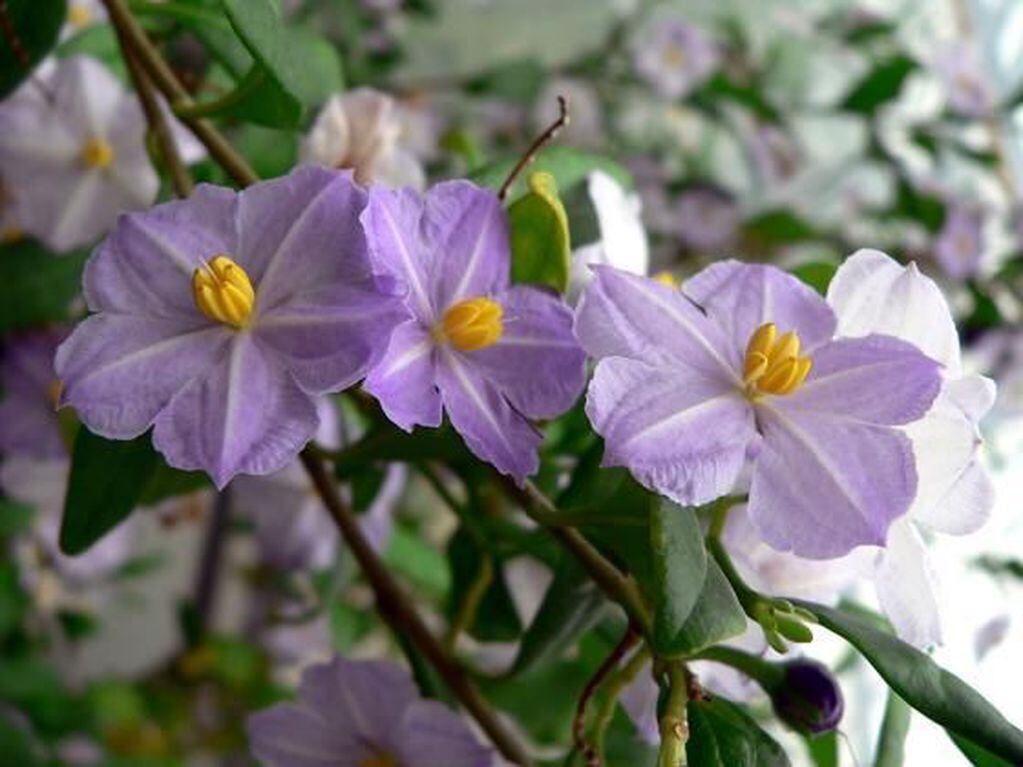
[808, 697]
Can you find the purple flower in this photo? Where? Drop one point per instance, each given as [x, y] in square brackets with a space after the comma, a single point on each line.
[741, 366]
[220, 317]
[363, 714]
[28, 420]
[491, 354]
[959, 246]
[674, 56]
[707, 219]
[808, 697]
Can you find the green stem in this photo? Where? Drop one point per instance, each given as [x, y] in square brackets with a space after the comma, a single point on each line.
[765, 673]
[249, 84]
[614, 688]
[674, 725]
[469, 608]
[891, 742]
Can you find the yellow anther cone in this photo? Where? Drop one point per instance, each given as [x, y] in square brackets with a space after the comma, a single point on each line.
[772, 364]
[223, 292]
[473, 324]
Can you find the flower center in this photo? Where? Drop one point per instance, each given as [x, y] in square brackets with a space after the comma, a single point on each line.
[79, 15]
[97, 153]
[773, 364]
[379, 760]
[223, 291]
[475, 323]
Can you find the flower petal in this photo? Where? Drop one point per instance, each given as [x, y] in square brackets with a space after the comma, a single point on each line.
[873, 293]
[822, 486]
[434, 736]
[492, 429]
[245, 415]
[906, 586]
[296, 735]
[624, 315]
[876, 379]
[302, 232]
[537, 364]
[680, 434]
[145, 266]
[330, 336]
[86, 94]
[119, 371]
[742, 297]
[404, 380]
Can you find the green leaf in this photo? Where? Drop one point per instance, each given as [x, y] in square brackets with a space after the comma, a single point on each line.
[572, 605]
[496, 618]
[16, 745]
[414, 559]
[166, 482]
[891, 742]
[978, 756]
[881, 85]
[776, 228]
[107, 480]
[30, 30]
[540, 243]
[823, 749]
[679, 571]
[716, 616]
[816, 274]
[934, 692]
[722, 735]
[569, 167]
[14, 517]
[37, 287]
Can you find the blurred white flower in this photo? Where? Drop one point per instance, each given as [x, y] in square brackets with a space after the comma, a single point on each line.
[959, 246]
[362, 130]
[707, 219]
[959, 70]
[72, 148]
[82, 14]
[672, 55]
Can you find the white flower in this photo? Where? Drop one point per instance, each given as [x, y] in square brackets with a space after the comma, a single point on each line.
[73, 150]
[672, 55]
[82, 14]
[958, 67]
[622, 243]
[362, 130]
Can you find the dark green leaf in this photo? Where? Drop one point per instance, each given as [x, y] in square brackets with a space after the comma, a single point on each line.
[930, 689]
[496, 618]
[166, 482]
[978, 756]
[823, 749]
[36, 287]
[14, 517]
[881, 85]
[722, 735]
[568, 166]
[540, 244]
[817, 274]
[571, 606]
[16, 744]
[30, 29]
[413, 558]
[716, 616]
[679, 570]
[891, 742]
[107, 480]
[776, 228]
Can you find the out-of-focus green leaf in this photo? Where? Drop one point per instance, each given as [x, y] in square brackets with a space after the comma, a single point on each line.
[413, 558]
[823, 749]
[817, 274]
[891, 741]
[540, 243]
[934, 692]
[167, 482]
[496, 619]
[776, 228]
[978, 756]
[14, 517]
[679, 570]
[36, 287]
[31, 28]
[722, 735]
[107, 480]
[13, 599]
[571, 606]
[881, 85]
[568, 166]
[16, 745]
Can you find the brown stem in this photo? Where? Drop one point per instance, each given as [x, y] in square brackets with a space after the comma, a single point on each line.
[181, 179]
[588, 750]
[149, 58]
[538, 143]
[396, 609]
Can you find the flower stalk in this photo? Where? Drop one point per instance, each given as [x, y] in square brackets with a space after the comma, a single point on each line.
[674, 724]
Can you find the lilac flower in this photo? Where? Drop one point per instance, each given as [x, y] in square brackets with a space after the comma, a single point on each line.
[707, 219]
[742, 366]
[29, 425]
[361, 130]
[959, 246]
[363, 714]
[674, 56]
[72, 147]
[960, 72]
[220, 317]
[491, 354]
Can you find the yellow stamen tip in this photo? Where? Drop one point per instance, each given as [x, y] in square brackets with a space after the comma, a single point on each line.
[667, 278]
[79, 15]
[97, 153]
[772, 364]
[473, 324]
[223, 292]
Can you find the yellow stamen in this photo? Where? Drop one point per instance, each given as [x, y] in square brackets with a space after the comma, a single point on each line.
[223, 292]
[379, 760]
[80, 15]
[97, 153]
[667, 278]
[772, 364]
[54, 391]
[473, 324]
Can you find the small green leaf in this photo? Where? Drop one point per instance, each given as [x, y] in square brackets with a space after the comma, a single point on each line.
[31, 28]
[14, 517]
[716, 616]
[881, 85]
[891, 741]
[722, 735]
[540, 243]
[776, 228]
[571, 606]
[37, 287]
[679, 571]
[823, 749]
[934, 692]
[107, 480]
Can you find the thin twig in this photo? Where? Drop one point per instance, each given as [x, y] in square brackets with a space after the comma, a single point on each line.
[610, 663]
[615, 685]
[399, 613]
[149, 58]
[208, 575]
[538, 143]
[181, 179]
